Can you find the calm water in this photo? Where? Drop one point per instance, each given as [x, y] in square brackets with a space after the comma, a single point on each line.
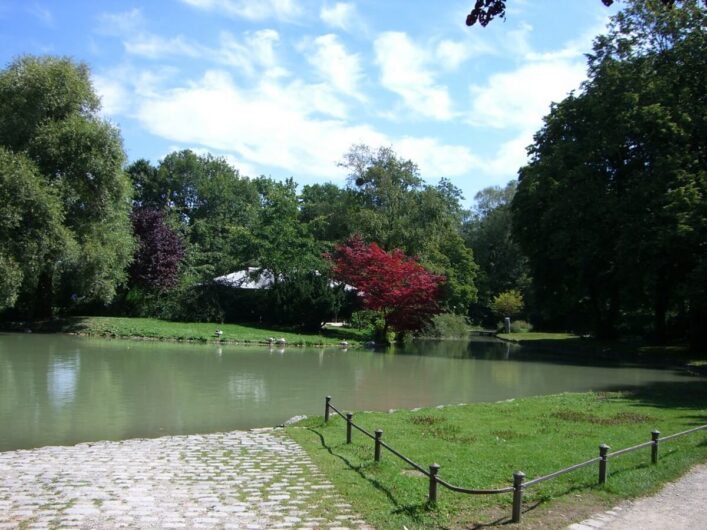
[62, 390]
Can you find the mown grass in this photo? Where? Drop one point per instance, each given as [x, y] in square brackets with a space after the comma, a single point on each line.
[535, 335]
[481, 445]
[202, 332]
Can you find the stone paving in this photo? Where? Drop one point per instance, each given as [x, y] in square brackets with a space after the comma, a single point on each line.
[239, 480]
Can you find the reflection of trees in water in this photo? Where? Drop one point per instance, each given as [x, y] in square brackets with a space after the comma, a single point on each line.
[58, 389]
[481, 348]
[247, 386]
[62, 378]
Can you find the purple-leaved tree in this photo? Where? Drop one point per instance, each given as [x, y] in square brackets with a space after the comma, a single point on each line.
[159, 250]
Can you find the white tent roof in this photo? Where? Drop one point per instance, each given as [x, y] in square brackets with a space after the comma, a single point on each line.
[257, 278]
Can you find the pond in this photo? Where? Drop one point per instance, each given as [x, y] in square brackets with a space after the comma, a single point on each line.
[59, 389]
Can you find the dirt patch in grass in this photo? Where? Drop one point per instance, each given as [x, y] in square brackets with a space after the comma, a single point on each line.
[426, 420]
[506, 434]
[621, 418]
[536, 515]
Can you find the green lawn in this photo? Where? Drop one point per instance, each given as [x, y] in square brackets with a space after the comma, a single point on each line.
[198, 331]
[535, 335]
[481, 445]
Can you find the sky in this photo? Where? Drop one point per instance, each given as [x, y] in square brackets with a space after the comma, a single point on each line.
[284, 88]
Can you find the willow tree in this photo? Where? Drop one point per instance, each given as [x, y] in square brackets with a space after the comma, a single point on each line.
[49, 113]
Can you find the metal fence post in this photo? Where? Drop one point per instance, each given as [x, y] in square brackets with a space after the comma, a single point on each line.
[327, 401]
[377, 452]
[432, 497]
[518, 478]
[349, 417]
[655, 435]
[603, 450]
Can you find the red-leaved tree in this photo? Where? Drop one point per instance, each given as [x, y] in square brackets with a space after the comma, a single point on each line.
[390, 282]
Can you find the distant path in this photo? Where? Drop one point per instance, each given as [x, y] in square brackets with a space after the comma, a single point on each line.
[681, 505]
[238, 480]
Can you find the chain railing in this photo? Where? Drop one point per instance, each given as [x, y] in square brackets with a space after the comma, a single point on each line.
[518, 480]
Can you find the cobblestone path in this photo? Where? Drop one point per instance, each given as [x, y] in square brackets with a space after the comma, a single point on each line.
[238, 480]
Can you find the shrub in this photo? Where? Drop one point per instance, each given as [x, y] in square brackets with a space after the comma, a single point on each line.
[520, 326]
[447, 326]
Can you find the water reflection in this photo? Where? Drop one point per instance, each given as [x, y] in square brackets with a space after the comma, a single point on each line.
[62, 377]
[62, 390]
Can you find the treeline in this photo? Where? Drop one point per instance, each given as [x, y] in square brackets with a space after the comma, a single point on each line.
[605, 231]
[82, 232]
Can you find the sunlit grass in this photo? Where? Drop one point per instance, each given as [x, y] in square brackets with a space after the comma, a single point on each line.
[203, 332]
[481, 445]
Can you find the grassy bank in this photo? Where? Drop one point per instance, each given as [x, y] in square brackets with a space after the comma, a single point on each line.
[151, 328]
[481, 445]
[629, 349]
[536, 336]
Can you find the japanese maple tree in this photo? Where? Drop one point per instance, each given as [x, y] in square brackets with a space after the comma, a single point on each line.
[390, 282]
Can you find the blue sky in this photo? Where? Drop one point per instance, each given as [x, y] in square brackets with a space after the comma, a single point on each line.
[284, 87]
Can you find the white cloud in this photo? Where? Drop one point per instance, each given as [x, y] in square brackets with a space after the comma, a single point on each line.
[256, 50]
[520, 98]
[251, 9]
[436, 159]
[279, 125]
[270, 125]
[244, 169]
[341, 69]
[119, 24]
[405, 71]
[509, 157]
[451, 54]
[155, 47]
[342, 15]
[113, 93]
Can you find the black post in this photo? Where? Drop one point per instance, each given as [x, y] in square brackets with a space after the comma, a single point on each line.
[655, 435]
[432, 497]
[377, 452]
[327, 401]
[603, 450]
[349, 417]
[518, 478]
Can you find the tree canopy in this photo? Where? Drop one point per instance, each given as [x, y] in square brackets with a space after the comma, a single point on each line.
[49, 114]
[484, 11]
[611, 208]
[390, 282]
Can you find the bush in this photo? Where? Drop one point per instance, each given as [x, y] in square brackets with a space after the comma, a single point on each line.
[447, 326]
[364, 319]
[520, 326]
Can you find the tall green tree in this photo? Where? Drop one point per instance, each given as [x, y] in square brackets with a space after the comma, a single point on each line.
[49, 112]
[610, 209]
[208, 201]
[396, 209]
[488, 231]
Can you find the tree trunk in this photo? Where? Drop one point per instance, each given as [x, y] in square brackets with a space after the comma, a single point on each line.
[44, 296]
[660, 308]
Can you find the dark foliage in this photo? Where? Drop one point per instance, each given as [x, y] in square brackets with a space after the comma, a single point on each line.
[159, 250]
[485, 11]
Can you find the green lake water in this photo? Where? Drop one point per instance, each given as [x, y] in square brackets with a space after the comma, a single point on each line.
[58, 390]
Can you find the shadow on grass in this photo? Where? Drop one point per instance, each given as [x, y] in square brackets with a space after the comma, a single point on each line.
[344, 334]
[411, 510]
[415, 511]
[683, 395]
